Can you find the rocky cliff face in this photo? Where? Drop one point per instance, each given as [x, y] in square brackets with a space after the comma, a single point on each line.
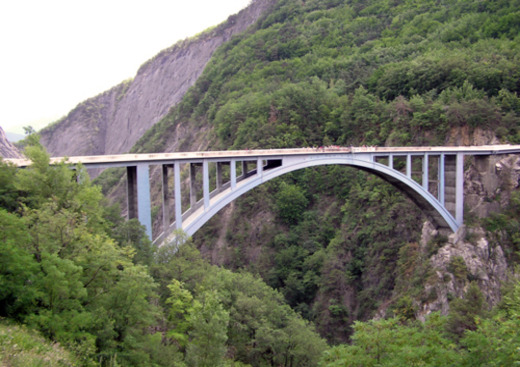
[469, 255]
[113, 121]
[8, 150]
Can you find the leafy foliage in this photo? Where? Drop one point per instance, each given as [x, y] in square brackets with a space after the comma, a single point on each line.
[75, 271]
[319, 73]
[489, 341]
[313, 73]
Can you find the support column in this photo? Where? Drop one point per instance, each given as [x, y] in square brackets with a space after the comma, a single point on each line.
[459, 189]
[131, 191]
[205, 183]
[193, 189]
[409, 166]
[143, 197]
[233, 174]
[165, 195]
[177, 193]
[391, 161]
[259, 166]
[442, 182]
[244, 169]
[219, 175]
[425, 172]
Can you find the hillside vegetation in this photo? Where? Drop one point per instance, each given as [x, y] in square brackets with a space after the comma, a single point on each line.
[339, 244]
[93, 286]
[342, 248]
[71, 268]
[359, 72]
[21, 347]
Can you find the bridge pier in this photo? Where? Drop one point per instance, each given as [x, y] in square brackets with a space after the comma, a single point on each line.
[233, 174]
[459, 189]
[165, 195]
[138, 192]
[205, 183]
[193, 181]
[425, 172]
[177, 195]
[442, 179]
[131, 191]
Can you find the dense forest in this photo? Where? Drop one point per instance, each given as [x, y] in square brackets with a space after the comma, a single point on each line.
[74, 270]
[339, 244]
[342, 249]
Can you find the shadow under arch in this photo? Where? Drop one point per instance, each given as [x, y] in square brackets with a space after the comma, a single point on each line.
[433, 209]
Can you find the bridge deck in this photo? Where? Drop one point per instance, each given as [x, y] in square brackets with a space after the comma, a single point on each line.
[121, 160]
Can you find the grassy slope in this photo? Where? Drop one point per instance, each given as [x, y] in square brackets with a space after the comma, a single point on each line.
[22, 347]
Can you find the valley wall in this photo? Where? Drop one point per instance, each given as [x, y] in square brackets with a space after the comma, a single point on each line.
[8, 150]
[113, 121]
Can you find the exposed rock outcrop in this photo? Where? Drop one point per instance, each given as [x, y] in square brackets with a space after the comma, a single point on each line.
[488, 183]
[468, 254]
[113, 121]
[8, 150]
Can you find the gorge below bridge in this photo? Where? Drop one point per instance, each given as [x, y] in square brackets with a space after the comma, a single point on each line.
[433, 177]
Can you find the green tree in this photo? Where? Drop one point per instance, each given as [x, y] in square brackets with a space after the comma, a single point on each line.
[18, 268]
[496, 341]
[207, 346]
[132, 233]
[8, 194]
[63, 274]
[290, 203]
[391, 343]
[181, 309]
[464, 311]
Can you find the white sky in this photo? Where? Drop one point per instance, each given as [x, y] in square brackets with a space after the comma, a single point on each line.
[55, 54]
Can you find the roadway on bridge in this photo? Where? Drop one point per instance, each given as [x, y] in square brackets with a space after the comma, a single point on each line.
[157, 158]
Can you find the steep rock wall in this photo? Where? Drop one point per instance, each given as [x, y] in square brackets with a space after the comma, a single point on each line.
[8, 150]
[113, 121]
[469, 255]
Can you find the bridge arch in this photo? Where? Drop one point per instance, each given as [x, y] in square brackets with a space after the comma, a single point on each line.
[445, 210]
[423, 198]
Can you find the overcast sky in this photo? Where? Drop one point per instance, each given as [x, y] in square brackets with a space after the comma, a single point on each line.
[57, 53]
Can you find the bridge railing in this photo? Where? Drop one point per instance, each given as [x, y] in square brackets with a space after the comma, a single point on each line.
[438, 170]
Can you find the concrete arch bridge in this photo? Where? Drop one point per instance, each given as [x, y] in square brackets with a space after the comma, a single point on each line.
[431, 176]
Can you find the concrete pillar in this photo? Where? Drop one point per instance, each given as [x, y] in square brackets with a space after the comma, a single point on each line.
[193, 188]
[409, 165]
[244, 168]
[442, 178]
[450, 183]
[391, 161]
[219, 175]
[259, 166]
[177, 194]
[425, 172]
[131, 191]
[205, 183]
[143, 197]
[459, 189]
[233, 174]
[165, 197]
